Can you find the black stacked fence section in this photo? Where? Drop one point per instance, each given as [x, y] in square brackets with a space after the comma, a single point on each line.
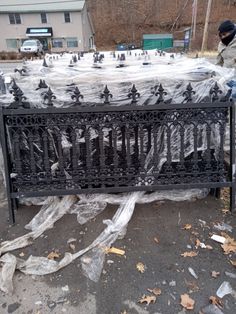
[97, 148]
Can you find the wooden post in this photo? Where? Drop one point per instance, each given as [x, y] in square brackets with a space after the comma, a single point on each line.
[205, 33]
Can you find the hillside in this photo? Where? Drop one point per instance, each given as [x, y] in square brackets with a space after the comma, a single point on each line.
[118, 21]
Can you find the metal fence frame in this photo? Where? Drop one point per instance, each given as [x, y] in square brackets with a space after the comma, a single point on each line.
[19, 115]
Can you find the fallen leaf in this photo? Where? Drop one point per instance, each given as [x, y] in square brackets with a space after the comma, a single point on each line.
[215, 274]
[216, 301]
[192, 285]
[225, 210]
[197, 243]
[233, 263]
[155, 291]
[156, 240]
[22, 254]
[189, 254]
[72, 246]
[187, 302]
[187, 227]
[53, 255]
[115, 251]
[141, 267]
[148, 299]
[230, 244]
[209, 247]
[124, 312]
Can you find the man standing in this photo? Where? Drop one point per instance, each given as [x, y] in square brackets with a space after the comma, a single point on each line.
[227, 50]
[227, 45]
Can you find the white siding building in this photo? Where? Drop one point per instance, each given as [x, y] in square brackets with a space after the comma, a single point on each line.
[61, 25]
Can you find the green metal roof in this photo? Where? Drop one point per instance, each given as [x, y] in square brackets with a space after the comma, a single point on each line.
[157, 36]
[24, 6]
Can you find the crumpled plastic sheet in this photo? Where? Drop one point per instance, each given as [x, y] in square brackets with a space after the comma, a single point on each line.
[54, 209]
[91, 81]
[224, 289]
[94, 254]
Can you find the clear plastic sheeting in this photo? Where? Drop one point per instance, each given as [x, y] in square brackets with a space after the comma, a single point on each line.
[8, 270]
[44, 220]
[91, 82]
[93, 256]
[85, 211]
[224, 289]
[174, 195]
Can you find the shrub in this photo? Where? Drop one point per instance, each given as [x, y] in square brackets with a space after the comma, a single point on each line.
[3, 55]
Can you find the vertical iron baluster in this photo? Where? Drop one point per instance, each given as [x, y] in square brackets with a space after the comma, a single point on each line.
[136, 146]
[208, 151]
[115, 155]
[149, 143]
[195, 152]
[155, 153]
[88, 149]
[181, 153]
[168, 133]
[18, 163]
[142, 155]
[45, 154]
[32, 159]
[128, 160]
[109, 149]
[123, 148]
[78, 150]
[221, 151]
[101, 148]
[74, 151]
[60, 153]
[101, 156]
[51, 149]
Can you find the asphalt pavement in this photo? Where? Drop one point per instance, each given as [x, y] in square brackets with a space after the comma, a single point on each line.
[157, 235]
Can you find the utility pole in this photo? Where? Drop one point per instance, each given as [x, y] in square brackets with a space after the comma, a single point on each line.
[205, 33]
[195, 18]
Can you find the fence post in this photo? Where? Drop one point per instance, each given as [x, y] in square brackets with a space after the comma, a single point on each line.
[232, 158]
[7, 167]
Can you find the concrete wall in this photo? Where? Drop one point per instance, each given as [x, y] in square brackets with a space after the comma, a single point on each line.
[55, 20]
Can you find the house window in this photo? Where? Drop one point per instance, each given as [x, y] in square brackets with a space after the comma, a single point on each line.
[67, 17]
[72, 42]
[11, 43]
[43, 18]
[57, 43]
[14, 18]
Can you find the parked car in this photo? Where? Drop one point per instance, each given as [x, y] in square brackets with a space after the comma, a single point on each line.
[32, 46]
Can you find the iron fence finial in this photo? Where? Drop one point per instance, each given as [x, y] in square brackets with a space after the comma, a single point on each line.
[160, 92]
[215, 92]
[134, 94]
[76, 96]
[106, 95]
[188, 93]
[49, 96]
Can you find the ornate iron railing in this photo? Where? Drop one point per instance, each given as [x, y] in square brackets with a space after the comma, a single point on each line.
[88, 148]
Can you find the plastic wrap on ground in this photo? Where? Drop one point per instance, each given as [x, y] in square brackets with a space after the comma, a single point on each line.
[44, 220]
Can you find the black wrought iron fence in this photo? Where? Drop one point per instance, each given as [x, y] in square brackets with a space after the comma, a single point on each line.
[88, 147]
